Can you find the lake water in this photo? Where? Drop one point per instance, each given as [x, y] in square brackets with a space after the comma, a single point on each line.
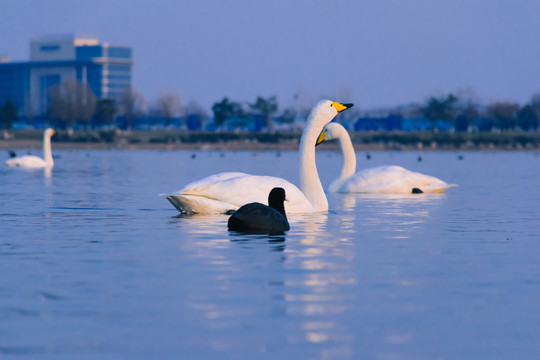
[94, 264]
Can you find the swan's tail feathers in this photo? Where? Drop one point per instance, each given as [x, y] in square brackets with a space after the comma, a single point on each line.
[437, 188]
[190, 204]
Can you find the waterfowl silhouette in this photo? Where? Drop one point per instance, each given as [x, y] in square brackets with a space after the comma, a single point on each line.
[259, 218]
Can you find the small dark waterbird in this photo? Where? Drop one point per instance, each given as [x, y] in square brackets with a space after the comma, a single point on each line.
[257, 218]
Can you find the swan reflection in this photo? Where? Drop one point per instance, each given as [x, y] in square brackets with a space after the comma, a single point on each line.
[302, 273]
[400, 215]
[210, 226]
[275, 241]
[48, 176]
[201, 223]
[322, 257]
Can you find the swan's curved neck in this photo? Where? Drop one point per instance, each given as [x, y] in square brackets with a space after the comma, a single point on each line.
[310, 184]
[47, 154]
[348, 167]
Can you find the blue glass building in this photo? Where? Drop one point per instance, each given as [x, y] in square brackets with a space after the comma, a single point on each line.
[105, 68]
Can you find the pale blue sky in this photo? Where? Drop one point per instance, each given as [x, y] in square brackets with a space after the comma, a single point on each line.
[371, 52]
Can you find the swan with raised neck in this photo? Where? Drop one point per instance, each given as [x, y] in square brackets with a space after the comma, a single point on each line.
[47, 152]
[227, 191]
[310, 184]
[32, 161]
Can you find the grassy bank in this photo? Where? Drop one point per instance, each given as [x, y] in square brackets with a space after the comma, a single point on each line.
[176, 139]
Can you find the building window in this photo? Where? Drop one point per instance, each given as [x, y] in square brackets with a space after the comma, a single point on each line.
[119, 77]
[49, 48]
[89, 52]
[119, 52]
[123, 68]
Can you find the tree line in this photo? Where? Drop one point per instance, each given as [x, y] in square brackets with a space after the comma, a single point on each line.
[502, 115]
[72, 102]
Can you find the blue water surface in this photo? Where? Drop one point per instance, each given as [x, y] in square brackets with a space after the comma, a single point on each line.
[94, 264]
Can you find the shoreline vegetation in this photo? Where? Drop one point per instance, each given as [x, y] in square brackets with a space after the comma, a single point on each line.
[245, 140]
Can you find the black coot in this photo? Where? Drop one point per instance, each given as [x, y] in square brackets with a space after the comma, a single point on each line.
[258, 218]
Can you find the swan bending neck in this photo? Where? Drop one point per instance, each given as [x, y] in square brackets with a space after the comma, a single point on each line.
[348, 167]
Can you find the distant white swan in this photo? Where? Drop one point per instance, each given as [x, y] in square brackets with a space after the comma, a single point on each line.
[382, 179]
[222, 192]
[31, 161]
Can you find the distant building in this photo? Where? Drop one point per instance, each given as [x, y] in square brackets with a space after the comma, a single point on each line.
[389, 122]
[105, 68]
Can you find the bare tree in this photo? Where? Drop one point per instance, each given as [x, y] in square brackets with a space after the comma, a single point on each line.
[132, 105]
[440, 108]
[287, 116]
[265, 108]
[504, 114]
[302, 103]
[466, 109]
[195, 115]
[8, 114]
[72, 101]
[527, 119]
[224, 110]
[169, 105]
[28, 111]
[106, 112]
[535, 104]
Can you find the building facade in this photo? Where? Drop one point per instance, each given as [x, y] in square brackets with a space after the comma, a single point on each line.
[105, 68]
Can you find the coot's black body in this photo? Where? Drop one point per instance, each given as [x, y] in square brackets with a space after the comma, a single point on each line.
[258, 218]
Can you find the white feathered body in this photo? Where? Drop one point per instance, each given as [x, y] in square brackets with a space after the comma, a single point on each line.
[389, 180]
[29, 161]
[226, 191]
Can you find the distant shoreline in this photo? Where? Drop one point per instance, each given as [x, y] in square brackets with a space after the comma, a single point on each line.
[34, 144]
[235, 141]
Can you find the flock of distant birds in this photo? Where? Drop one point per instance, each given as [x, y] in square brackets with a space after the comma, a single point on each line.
[244, 195]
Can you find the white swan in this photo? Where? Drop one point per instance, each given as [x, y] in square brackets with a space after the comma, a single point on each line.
[382, 179]
[31, 161]
[222, 192]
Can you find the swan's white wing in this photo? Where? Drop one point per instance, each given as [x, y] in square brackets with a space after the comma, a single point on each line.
[199, 204]
[210, 180]
[437, 188]
[232, 190]
[192, 199]
[394, 180]
[26, 161]
[248, 188]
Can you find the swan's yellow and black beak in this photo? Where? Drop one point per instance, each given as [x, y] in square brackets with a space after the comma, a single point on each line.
[53, 132]
[321, 138]
[340, 107]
